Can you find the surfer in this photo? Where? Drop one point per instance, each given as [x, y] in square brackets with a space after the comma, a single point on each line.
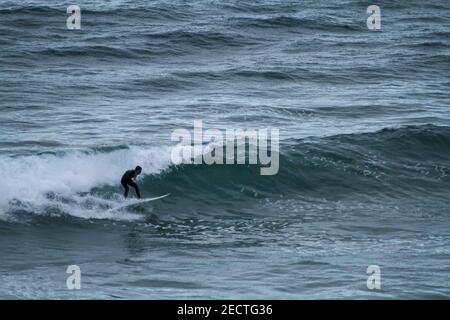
[127, 180]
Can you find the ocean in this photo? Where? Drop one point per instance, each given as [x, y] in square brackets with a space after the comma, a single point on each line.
[364, 149]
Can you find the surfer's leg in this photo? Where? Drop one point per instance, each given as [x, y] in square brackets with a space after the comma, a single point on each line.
[136, 188]
[126, 189]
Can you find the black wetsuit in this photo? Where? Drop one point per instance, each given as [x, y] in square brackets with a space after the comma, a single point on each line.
[127, 181]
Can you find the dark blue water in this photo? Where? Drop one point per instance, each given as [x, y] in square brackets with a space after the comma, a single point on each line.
[364, 174]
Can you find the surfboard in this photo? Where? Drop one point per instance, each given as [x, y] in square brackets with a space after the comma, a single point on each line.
[135, 202]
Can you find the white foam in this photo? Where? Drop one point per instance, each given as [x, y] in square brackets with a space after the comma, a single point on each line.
[29, 179]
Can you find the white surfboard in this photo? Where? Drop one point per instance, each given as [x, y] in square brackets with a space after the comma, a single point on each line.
[134, 202]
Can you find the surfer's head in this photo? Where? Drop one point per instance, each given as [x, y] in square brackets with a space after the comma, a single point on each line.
[137, 170]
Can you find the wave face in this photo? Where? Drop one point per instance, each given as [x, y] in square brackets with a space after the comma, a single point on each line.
[403, 161]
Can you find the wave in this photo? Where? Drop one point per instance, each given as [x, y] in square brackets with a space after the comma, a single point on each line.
[41, 181]
[325, 23]
[145, 46]
[29, 10]
[200, 38]
[169, 11]
[393, 162]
